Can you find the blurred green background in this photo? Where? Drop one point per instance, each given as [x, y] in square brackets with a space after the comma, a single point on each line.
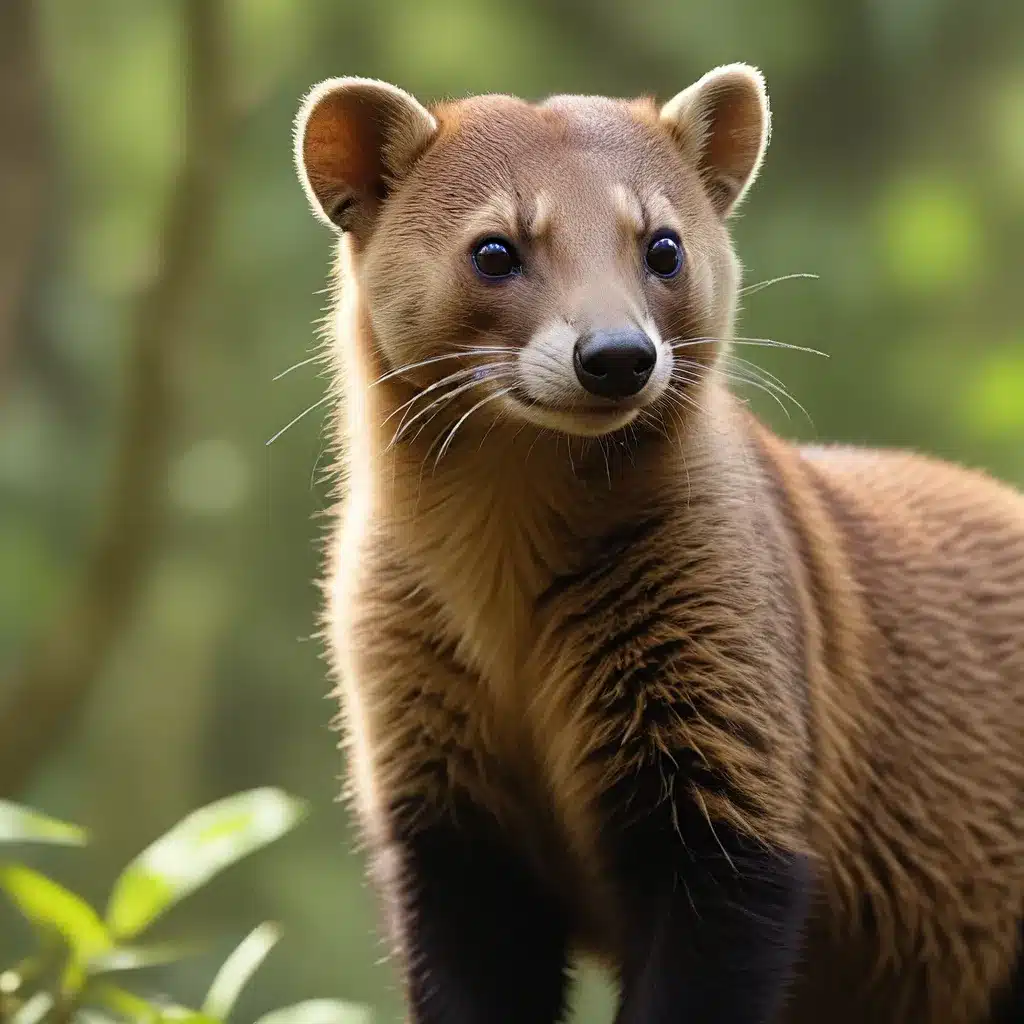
[159, 267]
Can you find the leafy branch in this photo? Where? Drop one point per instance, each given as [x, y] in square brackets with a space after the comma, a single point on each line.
[67, 979]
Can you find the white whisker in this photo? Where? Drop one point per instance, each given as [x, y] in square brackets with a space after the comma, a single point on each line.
[494, 423]
[753, 289]
[438, 404]
[747, 373]
[742, 375]
[763, 342]
[451, 434]
[305, 412]
[428, 362]
[451, 378]
[759, 369]
[761, 387]
[295, 366]
[441, 400]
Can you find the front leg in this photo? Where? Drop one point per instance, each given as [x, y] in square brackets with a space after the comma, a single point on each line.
[482, 940]
[713, 919]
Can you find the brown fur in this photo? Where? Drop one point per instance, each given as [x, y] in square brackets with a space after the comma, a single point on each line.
[847, 625]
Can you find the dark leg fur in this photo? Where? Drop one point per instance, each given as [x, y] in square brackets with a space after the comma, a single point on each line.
[713, 920]
[484, 943]
[1010, 1006]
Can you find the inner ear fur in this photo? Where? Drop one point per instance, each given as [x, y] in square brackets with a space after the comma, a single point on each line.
[355, 138]
[722, 124]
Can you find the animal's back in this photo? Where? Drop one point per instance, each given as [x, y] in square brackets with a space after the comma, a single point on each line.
[922, 824]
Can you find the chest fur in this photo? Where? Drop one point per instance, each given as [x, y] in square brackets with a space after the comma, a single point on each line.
[484, 554]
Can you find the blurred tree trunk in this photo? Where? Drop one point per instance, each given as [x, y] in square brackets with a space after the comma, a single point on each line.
[43, 701]
[156, 724]
[24, 167]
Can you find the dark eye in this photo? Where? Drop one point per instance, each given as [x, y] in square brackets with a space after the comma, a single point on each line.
[496, 258]
[664, 255]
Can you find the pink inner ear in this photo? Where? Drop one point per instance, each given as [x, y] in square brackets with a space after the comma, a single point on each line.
[342, 147]
[735, 122]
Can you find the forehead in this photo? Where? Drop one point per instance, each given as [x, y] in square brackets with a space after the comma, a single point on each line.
[574, 147]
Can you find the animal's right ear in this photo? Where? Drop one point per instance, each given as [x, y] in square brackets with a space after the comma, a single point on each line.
[355, 138]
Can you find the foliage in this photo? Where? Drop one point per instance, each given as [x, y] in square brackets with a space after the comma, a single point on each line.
[67, 978]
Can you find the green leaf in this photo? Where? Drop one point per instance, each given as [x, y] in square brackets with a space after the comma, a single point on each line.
[140, 1011]
[20, 825]
[125, 1004]
[182, 1015]
[35, 1010]
[50, 906]
[134, 958]
[319, 1011]
[239, 967]
[196, 849]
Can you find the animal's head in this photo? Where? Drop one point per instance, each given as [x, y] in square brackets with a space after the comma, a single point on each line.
[568, 260]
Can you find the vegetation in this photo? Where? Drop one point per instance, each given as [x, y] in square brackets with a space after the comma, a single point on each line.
[72, 975]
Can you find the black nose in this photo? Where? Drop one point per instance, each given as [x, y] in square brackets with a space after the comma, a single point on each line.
[614, 364]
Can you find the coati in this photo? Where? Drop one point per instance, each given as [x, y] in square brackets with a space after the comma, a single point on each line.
[622, 673]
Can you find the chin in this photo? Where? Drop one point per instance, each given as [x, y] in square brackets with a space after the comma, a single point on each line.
[574, 421]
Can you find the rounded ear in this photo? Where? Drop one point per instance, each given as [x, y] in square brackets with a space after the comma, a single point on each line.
[355, 138]
[722, 124]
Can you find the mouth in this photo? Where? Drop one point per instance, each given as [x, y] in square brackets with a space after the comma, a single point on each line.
[520, 394]
[590, 420]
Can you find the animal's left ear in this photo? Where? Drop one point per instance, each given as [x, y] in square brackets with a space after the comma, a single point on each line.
[722, 123]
